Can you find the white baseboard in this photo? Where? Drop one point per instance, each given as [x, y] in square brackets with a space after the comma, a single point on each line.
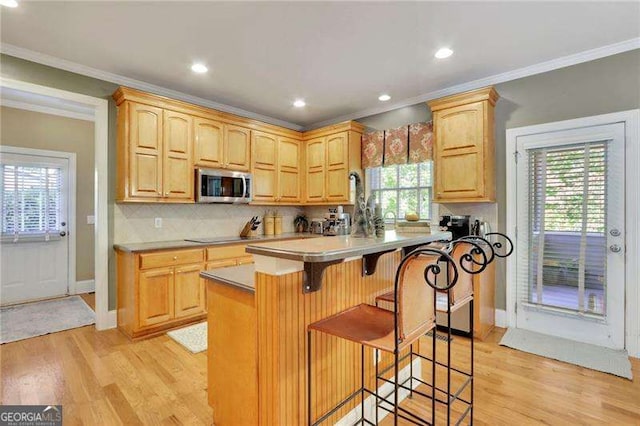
[109, 321]
[501, 318]
[86, 286]
[386, 388]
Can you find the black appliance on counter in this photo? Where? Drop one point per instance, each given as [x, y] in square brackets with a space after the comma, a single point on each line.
[459, 226]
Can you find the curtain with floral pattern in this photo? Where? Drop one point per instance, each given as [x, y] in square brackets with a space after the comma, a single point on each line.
[372, 149]
[396, 146]
[420, 142]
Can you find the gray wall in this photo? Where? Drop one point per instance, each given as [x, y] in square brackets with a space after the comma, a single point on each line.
[31, 72]
[27, 129]
[598, 87]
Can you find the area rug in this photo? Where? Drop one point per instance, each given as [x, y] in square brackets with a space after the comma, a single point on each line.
[582, 354]
[193, 338]
[27, 320]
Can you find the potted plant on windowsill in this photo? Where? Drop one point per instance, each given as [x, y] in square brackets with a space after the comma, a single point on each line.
[301, 223]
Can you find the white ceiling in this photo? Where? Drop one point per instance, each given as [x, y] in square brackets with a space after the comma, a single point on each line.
[337, 56]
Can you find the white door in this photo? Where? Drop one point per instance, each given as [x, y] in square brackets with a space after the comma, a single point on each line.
[571, 234]
[34, 198]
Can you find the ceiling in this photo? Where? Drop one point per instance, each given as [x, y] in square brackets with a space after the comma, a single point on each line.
[338, 56]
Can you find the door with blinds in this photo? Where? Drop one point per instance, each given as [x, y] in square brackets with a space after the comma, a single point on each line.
[34, 248]
[570, 234]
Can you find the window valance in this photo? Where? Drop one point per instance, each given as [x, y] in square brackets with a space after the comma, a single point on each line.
[407, 144]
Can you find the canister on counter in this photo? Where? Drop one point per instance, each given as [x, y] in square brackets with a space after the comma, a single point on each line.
[277, 224]
[268, 223]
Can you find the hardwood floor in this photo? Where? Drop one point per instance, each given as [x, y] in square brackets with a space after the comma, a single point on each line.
[101, 378]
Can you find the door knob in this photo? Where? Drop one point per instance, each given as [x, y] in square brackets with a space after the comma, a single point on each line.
[63, 233]
[615, 232]
[615, 248]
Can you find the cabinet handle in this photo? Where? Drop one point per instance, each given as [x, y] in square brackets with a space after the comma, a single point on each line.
[175, 257]
[171, 273]
[178, 272]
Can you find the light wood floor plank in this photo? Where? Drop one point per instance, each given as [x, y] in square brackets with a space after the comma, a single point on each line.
[103, 378]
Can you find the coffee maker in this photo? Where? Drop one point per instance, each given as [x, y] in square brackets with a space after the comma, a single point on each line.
[459, 226]
[337, 222]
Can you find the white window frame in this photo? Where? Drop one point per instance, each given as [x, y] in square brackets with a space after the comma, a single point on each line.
[397, 189]
[631, 120]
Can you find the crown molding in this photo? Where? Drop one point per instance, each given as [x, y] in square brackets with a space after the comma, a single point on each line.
[542, 67]
[63, 64]
[11, 103]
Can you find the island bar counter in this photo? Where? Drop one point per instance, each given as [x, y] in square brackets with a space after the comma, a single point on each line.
[257, 329]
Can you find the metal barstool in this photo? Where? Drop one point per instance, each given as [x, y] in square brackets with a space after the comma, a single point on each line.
[470, 259]
[394, 331]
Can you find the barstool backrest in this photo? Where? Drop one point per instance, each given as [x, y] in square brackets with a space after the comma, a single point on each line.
[416, 313]
[464, 286]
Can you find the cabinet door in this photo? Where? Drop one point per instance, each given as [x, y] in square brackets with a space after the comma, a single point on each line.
[145, 151]
[208, 143]
[315, 178]
[189, 291]
[237, 148]
[337, 182]
[178, 170]
[289, 157]
[459, 158]
[156, 296]
[264, 161]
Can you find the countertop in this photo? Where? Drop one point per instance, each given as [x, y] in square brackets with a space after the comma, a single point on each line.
[242, 276]
[342, 247]
[182, 244]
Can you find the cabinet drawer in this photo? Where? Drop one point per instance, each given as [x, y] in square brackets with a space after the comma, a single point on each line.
[223, 263]
[226, 252]
[244, 260]
[170, 258]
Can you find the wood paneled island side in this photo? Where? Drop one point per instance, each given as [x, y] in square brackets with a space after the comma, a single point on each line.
[257, 318]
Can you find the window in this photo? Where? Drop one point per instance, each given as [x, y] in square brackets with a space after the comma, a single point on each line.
[31, 199]
[403, 189]
[567, 241]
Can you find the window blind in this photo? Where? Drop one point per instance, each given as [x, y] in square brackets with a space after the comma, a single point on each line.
[31, 200]
[567, 214]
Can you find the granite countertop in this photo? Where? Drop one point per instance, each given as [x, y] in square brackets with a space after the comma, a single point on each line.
[341, 247]
[182, 244]
[242, 276]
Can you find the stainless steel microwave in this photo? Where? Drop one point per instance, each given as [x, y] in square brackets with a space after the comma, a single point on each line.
[222, 186]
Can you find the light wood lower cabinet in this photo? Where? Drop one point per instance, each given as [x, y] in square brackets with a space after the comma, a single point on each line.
[189, 291]
[161, 290]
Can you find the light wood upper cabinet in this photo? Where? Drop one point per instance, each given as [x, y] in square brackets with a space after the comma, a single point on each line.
[276, 169]
[289, 176]
[464, 157]
[237, 148]
[264, 166]
[329, 161]
[316, 170]
[144, 170]
[208, 143]
[177, 177]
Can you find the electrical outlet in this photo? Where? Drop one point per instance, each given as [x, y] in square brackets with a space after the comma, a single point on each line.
[158, 222]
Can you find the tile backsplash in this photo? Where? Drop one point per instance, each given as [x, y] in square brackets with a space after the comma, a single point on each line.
[135, 223]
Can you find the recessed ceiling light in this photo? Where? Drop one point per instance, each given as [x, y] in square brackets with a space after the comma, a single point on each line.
[445, 52]
[9, 3]
[299, 103]
[384, 98]
[199, 68]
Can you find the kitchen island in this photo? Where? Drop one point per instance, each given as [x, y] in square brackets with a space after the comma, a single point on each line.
[258, 314]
